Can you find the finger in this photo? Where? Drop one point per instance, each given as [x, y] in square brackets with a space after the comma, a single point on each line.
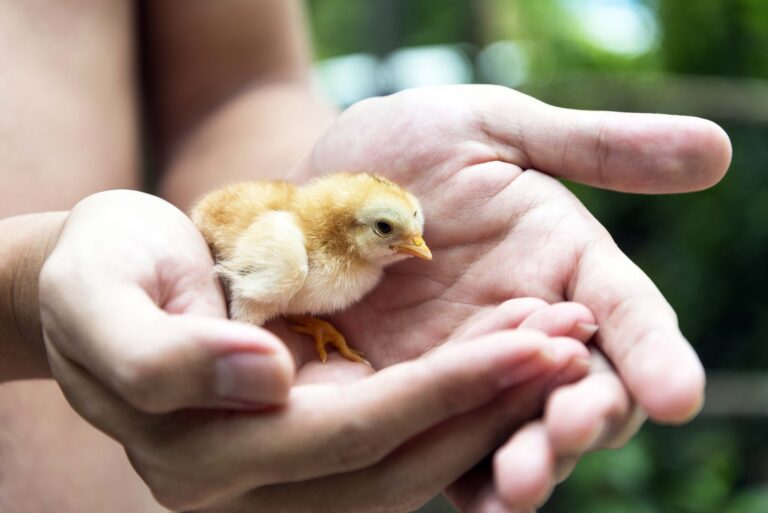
[620, 433]
[493, 503]
[473, 489]
[616, 434]
[639, 334]
[363, 423]
[566, 319]
[585, 415]
[92, 400]
[507, 315]
[564, 467]
[476, 486]
[593, 413]
[420, 468]
[99, 403]
[174, 482]
[649, 153]
[323, 430]
[336, 429]
[482, 498]
[524, 468]
[414, 473]
[621, 427]
[589, 414]
[159, 362]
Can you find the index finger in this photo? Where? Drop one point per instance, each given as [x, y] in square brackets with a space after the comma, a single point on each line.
[640, 334]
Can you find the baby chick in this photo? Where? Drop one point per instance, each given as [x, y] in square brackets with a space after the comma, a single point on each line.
[297, 251]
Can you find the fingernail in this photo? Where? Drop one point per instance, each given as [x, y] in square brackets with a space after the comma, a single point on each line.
[549, 354]
[492, 505]
[251, 378]
[584, 331]
[564, 467]
[581, 363]
[545, 495]
[596, 436]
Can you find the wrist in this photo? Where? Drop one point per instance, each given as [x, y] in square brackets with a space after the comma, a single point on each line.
[27, 242]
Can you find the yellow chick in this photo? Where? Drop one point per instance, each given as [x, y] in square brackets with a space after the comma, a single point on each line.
[299, 251]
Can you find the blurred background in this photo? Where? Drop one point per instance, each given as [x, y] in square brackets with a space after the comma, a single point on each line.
[708, 251]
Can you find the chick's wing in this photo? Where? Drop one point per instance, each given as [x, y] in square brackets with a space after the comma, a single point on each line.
[266, 267]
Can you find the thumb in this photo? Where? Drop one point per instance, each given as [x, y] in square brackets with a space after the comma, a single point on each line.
[160, 362]
[641, 153]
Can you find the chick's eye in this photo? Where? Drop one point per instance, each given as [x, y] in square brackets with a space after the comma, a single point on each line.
[383, 227]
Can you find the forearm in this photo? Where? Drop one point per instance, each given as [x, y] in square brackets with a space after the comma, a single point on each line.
[26, 242]
[262, 133]
[68, 119]
[234, 102]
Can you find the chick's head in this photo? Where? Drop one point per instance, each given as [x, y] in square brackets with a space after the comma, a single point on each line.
[389, 225]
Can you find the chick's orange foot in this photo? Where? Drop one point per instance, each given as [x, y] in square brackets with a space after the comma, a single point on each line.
[324, 333]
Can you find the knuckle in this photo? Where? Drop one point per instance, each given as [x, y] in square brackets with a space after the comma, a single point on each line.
[602, 151]
[52, 281]
[138, 381]
[47, 281]
[457, 391]
[174, 487]
[452, 396]
[625, 430]
[360, 445]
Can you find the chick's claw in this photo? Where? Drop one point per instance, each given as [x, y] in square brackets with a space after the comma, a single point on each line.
[324, 333]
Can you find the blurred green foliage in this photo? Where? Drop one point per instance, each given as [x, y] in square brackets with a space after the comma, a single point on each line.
[707, 467]
[707, 252]
[717, 37]
[379, 26]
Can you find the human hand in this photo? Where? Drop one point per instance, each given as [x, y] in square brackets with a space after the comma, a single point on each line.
[136, 334]
[498, 232]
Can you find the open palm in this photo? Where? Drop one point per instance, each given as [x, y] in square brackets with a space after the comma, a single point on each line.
[501, 230]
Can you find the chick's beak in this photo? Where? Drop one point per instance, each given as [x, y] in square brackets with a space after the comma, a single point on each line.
[417, 248]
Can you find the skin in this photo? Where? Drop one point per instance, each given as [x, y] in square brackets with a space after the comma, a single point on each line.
[150, 337]
[69, 86]
[66, 86]
[484, 212]
[499, 232]
[246, 126]
[509, 132]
